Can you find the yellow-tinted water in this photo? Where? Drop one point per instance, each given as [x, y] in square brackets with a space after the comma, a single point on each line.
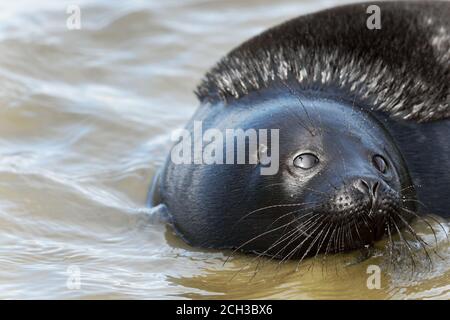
[85, 121]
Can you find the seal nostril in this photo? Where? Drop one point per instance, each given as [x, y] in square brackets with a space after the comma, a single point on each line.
[368, 187]
[375, 188]
[362, 186]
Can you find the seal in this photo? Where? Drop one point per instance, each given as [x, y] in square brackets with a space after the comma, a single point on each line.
[362, 147]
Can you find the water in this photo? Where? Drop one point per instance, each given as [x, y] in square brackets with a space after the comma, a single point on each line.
[85, 121]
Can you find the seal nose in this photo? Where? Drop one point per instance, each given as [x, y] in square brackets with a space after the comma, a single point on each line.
[368, 187]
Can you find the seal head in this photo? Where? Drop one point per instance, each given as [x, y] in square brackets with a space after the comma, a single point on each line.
[341, 180]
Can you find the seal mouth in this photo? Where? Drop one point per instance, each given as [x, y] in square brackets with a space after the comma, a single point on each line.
[347, 231]
[337, 227]
[364, 224]
[338, 234]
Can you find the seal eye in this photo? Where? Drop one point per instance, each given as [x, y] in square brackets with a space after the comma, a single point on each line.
[306, 161]
[380, 163]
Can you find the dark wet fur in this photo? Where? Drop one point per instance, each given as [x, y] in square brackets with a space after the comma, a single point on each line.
[402, 69]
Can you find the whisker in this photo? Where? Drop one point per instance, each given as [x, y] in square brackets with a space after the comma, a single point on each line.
[276, 206]
[317, 237]
[292, 212]
[271, 185]
[415, 200]
[314, 190]
[324, 237]
[427, 223]
[295, 234]
[411, 256]
[297, 229]
[309, 223]
[330, 241]
[330, 225]
[283, 238]
[316, 225]
[406, 188]
[257, 237]
[357, 231]
[242, 268]
[349, 233]
[303, 106]
[391, 242]
[422, 243]
[277, 242]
